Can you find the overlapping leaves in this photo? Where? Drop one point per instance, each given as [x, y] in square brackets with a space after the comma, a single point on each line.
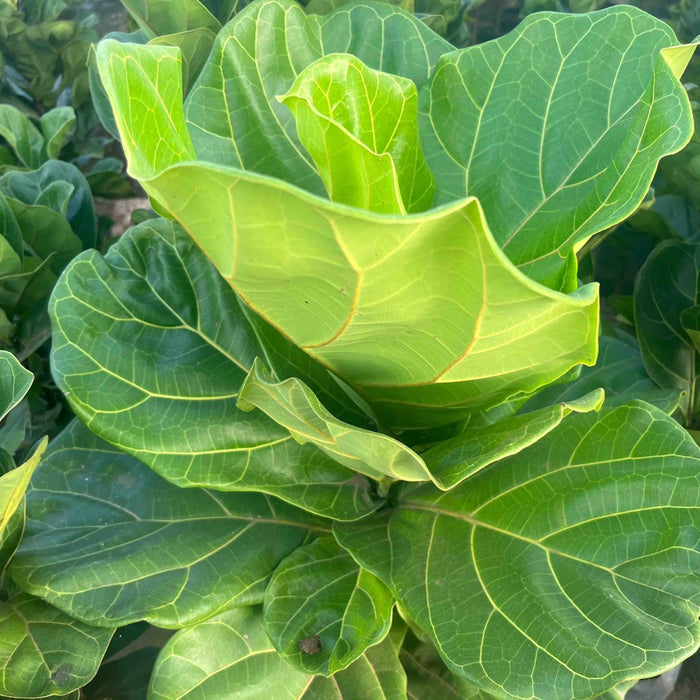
[347, 302]
[147, 549]
[42, 650]
[151, 348]
[575, 559]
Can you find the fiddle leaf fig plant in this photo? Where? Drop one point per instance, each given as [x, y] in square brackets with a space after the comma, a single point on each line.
[344, 418]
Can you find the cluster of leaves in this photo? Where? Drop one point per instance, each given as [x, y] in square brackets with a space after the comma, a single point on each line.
[345, 423]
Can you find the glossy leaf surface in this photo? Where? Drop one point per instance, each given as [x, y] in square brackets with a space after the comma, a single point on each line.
[110, 542]
[151, 347]
[576, 559]
[573, 149]
[361, 128]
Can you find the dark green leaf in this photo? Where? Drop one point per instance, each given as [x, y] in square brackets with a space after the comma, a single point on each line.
[667, 287]
[109, 542]
[575, 559]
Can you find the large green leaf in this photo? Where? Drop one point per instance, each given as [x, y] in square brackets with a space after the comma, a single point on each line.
[666, 293]
[322, 610]
[151, 347]
[361, 128]
[576, 559]
[570, 151]
[230, 656]
[426, 352]
[109, 542]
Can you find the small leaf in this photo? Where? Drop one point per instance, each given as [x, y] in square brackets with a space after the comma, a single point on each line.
[360, 127]
[159, 17]
[14, 382]
[56, 126]
[109, 542]
[13, 486]
[292, 404]
[322, 610]
[22, 136]
[575, 559]
[227, 656]
[455, 459]
[75, 204]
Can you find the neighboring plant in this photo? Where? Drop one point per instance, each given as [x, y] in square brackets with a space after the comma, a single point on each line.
[360, 350]
[44, 46]
[34, 633]
[46, 219]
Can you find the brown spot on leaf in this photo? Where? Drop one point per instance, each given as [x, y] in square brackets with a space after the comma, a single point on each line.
[310, 645]
[61, 675]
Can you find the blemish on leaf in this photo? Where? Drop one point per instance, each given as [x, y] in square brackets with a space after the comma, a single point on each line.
[61, 675]
[311, 645]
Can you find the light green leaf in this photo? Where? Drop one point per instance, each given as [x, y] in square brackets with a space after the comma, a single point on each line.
[292, 404]
[44, 652]
[56, 126]
[13, 486]
[21, 135]
[233, 113]
[159, 17]
[151, 347]
[109, 542]
[100, 101]
[422, 350]
[476, 446]
[665, 289]
[360, 127]
[14, 382]
[573, 149]
[195, 46]
[575, 559]
[230, 656]
[322, 611]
